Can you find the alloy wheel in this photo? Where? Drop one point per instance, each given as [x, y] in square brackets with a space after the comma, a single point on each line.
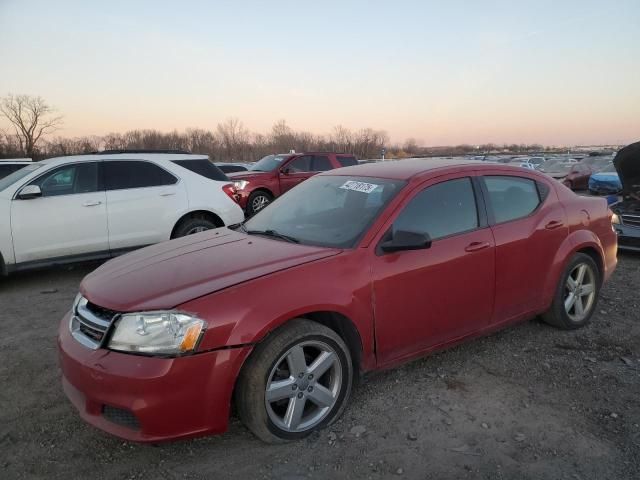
[580, 292]
[303, 386]
[196, 230]
[259, 203]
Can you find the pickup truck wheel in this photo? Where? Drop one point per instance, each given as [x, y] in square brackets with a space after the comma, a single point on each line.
[192, 225]
[577, 294]
[257, 201]
[298, 380]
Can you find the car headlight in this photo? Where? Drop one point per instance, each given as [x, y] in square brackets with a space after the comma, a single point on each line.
[615, 219]
[163, 333]
[240, 184]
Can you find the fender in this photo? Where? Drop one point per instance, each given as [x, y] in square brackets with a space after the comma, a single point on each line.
[575, 241]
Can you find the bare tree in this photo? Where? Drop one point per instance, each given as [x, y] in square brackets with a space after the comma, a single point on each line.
[31, 118]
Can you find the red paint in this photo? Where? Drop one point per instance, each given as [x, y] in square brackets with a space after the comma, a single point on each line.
[279, 180]
[402, 304]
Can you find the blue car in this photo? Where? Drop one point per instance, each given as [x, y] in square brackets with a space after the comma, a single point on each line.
[605, 182]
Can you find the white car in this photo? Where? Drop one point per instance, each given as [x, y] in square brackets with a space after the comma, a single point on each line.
[10, 165]
[97, 206]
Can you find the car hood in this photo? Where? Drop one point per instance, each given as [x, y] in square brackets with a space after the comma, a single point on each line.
[627, 163]
[605, 176]
[248, 175]
[171, 273]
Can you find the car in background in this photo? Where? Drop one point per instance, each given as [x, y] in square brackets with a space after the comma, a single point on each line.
[627, 211]
[606, 181]
[233, 167]
[273, 175]
[597, 163]
[86, 207]
[10, 165]
[573, 175]
[355, 270]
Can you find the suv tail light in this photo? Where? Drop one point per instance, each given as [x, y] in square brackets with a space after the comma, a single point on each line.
[230, 190]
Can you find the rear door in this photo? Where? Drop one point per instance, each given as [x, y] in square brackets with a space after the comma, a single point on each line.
[68, 219]
[528, 225]
[143, 202]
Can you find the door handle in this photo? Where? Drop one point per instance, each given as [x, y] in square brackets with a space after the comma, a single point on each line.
[91, 204]
[475, 246]
[167, 194]
[553, 224]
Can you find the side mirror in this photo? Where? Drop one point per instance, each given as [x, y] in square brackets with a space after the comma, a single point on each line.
[286, 171]
[403, 240]
[29, 192]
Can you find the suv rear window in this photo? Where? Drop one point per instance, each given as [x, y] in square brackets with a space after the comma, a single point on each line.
[347, 161]
[203, 167]
[120, 175]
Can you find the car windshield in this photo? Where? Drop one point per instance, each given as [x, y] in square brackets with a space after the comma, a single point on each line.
[9, 180]
[559, 168]
[329, 211]
[268, 163]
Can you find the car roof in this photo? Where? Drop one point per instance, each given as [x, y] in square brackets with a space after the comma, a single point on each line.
[157, 157]
[408, 168]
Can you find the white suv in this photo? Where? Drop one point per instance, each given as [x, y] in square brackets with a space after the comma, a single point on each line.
[10, 165]
[96, 206]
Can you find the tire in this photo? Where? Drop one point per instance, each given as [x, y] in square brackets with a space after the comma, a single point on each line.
[191, 225]
[570, 318]
[257, 201]
[269, 368]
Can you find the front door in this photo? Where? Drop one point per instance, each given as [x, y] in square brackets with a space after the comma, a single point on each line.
[424, 298]
[70, 217]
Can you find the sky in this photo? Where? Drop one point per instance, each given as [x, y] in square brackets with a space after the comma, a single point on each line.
[561, 72]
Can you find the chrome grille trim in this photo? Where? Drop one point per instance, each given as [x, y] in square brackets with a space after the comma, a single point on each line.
[87, 327]
[630, 220]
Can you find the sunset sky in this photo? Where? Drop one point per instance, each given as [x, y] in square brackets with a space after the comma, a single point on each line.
[554, 72]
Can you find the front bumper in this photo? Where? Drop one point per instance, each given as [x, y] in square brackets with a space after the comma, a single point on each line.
[147, 399]
[628, 237]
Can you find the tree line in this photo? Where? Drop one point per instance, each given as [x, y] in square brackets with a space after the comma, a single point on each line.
[33, 123]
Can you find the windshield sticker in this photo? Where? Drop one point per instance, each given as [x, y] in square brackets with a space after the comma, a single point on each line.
[359, 186]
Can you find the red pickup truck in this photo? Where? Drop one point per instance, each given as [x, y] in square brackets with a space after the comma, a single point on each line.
[273, 175]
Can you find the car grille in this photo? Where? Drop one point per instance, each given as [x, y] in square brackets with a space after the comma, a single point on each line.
[121, 417]
[631, 220]
[90, 323]
[629, 242]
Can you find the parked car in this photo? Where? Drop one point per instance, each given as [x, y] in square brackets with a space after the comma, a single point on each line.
[273, 175]
[597, 163]
[10, 165]
[96, 206]
[233, 167]
[357, 269]
[605, 182]
[627, 211]
[573, 175]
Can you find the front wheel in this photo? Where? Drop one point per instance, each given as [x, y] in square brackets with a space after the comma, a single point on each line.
[576, 295]
[298, 380]
[257, 201]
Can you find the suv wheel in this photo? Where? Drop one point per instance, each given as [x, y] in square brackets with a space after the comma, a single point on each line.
[295, 382]
[577, 294]
[257, 201]
[192, 225]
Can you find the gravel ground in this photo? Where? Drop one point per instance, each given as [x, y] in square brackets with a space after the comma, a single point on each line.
[528, 402]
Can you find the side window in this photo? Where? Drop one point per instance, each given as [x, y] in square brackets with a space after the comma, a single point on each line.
[300, 164]
[511, 197]
[120, 175]
[6, 170]
[347, 161]
[69, 179]
[441, 210]
[321, 163]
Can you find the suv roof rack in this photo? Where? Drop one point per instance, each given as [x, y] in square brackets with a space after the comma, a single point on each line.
[112, 152]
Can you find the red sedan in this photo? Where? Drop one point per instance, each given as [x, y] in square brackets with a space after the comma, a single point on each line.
[354, 270]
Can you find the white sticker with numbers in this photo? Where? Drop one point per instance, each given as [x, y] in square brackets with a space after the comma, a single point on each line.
[359, 186]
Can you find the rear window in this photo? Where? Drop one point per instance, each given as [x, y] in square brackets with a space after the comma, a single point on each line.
[347, 161]
[203, 167]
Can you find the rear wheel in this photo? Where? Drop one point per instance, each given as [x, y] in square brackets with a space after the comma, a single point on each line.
[297, 381]
[192, 225]
[577, 294]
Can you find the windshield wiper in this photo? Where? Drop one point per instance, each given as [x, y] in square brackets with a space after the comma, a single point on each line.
[273, 234]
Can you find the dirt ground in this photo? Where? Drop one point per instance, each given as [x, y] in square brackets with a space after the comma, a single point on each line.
[530, 402]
